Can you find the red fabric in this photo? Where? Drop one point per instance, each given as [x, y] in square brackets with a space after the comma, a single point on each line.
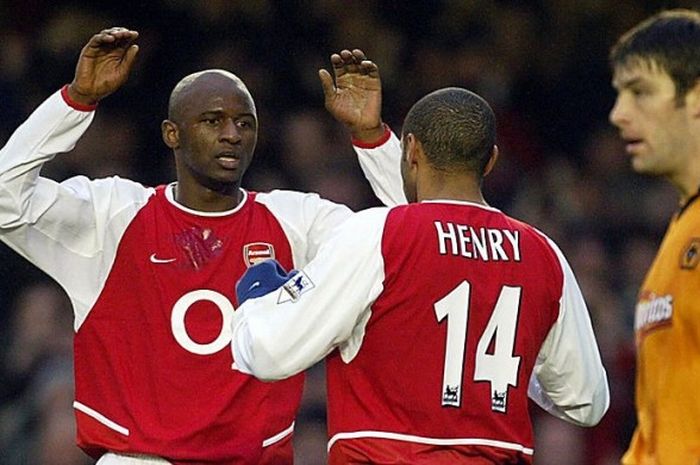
[395, 383]
[387, 452]
[374, 144]
[72, 103]
[130, 366]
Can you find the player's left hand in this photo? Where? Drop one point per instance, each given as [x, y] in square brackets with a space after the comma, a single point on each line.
[355, 96]
[261, 279]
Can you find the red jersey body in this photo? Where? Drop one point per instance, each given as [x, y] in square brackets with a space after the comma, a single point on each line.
[450, 272]
[167, 305]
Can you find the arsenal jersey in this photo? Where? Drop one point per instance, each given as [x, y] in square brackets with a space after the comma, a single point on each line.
[438, 319]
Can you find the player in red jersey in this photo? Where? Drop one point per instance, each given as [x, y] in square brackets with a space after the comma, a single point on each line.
[151, 271]
[439, 318]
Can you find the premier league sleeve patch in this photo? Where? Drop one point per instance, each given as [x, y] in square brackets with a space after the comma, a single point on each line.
[294, 288]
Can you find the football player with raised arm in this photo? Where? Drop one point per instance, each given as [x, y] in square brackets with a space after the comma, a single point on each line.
[151, 272]
[438, 318]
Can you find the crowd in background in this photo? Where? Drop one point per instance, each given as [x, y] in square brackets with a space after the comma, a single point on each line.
[542, 64]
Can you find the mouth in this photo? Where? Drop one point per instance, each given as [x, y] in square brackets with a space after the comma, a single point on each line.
[632, 144]
[228, 160]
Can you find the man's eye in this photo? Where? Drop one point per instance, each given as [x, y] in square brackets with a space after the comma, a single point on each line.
[244, 124]
[211, 120]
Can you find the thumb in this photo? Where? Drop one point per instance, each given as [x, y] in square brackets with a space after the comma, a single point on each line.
[327, 84]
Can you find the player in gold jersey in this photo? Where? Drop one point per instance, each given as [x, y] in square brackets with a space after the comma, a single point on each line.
[656, 72]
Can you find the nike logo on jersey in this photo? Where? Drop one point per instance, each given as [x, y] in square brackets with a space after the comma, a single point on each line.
[155, 259]
[254, 285]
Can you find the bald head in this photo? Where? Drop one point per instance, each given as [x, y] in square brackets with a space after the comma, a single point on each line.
[199, 85]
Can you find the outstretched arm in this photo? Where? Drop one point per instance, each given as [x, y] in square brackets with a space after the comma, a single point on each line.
[69, 230]
[353, 95]
[104, 65]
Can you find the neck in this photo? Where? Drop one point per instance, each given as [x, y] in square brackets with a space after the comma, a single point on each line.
[437, 186]
[688, 181]
[200, 198]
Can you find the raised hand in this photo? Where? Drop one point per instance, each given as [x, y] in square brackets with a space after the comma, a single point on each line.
[104, 65]
[355, 97]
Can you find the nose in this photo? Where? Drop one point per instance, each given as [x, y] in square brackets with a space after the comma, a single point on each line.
[618, 113]
[229, 132]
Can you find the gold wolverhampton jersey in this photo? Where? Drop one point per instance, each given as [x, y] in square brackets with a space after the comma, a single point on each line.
[667, 328]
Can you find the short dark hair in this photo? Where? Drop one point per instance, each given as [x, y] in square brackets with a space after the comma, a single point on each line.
[456, 127]
[670, 40]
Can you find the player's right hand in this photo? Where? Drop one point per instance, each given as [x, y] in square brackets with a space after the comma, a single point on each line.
[103, 65]
[355, 96]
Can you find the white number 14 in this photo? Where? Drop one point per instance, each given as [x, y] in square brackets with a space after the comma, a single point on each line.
[499, 367]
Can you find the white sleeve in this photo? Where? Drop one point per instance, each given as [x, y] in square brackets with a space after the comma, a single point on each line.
[276, 336]
[382, 168]
[70, 230]
[569, 380]
[306, 219]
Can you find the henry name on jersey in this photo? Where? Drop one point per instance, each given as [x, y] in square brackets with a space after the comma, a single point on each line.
[480, 243]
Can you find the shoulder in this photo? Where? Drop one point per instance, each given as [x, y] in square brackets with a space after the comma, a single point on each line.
[113, 185]
[283, 195]
[285, 200]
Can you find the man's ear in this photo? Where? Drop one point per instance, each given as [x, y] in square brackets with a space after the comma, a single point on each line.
[170, 133]
[492, 161]
[414, 150]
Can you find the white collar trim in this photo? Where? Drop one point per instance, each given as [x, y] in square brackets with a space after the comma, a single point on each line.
[170, 195]
[462, 202]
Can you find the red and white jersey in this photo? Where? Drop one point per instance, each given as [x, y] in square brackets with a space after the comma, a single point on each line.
[152, 285]
[445, 316]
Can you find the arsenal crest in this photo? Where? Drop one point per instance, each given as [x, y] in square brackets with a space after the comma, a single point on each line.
[691, 254]
[256, 252]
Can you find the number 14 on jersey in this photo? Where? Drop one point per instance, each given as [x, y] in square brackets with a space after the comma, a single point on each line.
[500, 367]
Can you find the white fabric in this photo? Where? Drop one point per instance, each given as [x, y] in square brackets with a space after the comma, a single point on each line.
[276, 340]
[381, 166]
[568, 379]
[307, 220]
[120, 459]
[70, 230]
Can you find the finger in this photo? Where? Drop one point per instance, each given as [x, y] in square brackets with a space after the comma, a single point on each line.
[336, 61]
[327, 84]
[358, 55]
[349, 62]
[369, 68]
[130, 56]
[118, 36]
[338, 65]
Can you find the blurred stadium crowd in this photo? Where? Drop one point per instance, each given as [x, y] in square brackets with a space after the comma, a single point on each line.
[542, 64]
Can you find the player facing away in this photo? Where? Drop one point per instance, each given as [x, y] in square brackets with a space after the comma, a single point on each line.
[438, 318]
[151, 272]
[656, 72]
